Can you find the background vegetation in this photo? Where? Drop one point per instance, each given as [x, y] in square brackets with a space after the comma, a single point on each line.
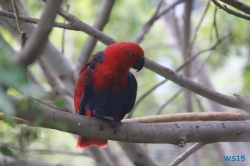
[224, 68]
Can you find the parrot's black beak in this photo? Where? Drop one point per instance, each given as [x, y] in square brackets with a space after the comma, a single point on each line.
[139, 64]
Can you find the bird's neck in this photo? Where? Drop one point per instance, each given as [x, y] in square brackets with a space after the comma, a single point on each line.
[109, 77]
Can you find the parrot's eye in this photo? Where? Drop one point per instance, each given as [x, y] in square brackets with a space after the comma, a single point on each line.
[131, 54]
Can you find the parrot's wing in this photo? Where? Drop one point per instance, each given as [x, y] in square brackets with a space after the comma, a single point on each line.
[132, 88]
[133, 91]
[83, 85]
[82, 89]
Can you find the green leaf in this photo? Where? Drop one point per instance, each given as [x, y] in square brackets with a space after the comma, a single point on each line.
[5, 105]
[247, 77]
[61, 126]
[60, 103]
[9, 122]
[24, 103]
[6, 151]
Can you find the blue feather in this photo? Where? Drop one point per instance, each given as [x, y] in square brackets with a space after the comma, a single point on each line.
[112, 104]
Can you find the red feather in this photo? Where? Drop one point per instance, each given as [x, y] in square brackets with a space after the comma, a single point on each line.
[106, 77]
[84, 142]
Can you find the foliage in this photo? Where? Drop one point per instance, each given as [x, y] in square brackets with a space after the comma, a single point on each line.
[126, 20]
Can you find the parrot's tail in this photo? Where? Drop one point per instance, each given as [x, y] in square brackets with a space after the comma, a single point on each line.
[84, 142]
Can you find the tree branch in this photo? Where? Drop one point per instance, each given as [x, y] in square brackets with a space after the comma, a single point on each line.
[160, 109]
[191, 116]
[117, 156]
[100, 156]
[98, 35]
[100, 22]
[238, 5]
[196, 87]
[189, 60]
[35, 21]
[186, 154]
[23, 37]
[164, 71]
[34, 46]
[227, 131]
[229, 11]
[58, 89]
[60, 65]
[138, 154]
[141, 33]
[15, 8]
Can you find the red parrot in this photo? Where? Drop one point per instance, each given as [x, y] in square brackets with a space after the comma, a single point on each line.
[106, 88]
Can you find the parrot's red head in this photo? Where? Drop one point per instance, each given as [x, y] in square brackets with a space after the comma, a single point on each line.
[125, 55]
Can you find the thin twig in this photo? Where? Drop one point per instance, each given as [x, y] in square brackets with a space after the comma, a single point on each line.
[145, 28]
[35, 21]
[64, 30]
[15, 119]
[202, 51]
[22, 34]
[168, 101]
[95, 33]
[90, 43]
[180, 68]
[181, 90]
[190, 47]
[200, 106]
[187, 153]
[58, 90]
[34, 47]
[139, 36]
[215, 25]
[226, 9]
[140, 99]
[17, 16]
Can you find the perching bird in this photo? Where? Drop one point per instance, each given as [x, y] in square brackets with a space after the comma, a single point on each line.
[106, 88]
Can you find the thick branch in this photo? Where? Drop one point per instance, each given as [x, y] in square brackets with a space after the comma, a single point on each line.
[38, 40]
[172, 133]
[60, 65]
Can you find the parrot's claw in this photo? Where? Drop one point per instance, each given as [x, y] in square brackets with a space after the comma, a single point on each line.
[112, 122]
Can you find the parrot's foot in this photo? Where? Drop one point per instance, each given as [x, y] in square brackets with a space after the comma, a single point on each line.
[111, 121]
